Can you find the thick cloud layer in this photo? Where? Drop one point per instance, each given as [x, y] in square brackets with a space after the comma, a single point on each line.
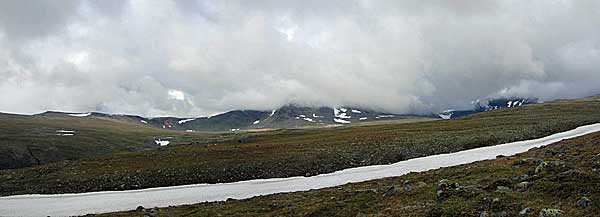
[198, 57]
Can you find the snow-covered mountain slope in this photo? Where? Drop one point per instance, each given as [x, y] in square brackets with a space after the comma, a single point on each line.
[290, 116]
[487, 105]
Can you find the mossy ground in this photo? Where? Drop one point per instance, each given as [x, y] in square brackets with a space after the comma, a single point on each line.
[415, 194]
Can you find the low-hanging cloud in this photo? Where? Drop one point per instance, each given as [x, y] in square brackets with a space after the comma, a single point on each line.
[198, 57]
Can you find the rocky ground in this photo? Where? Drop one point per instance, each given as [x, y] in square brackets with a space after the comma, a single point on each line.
[562, 179]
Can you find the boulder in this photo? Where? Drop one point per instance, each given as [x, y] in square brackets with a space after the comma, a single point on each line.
[445, 188]
[408, 187]
[584, 202]
[572, 174]
[541, 167]
[596, 157]
[526, 211]
[502, 188]
[392, 190]
[504, 183]
[551, 152]
[596, 165]
[522, 186]
[551, 213]
[527, 161]
[521, 177]
[421, 184]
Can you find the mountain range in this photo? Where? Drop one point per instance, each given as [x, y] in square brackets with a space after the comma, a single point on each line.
[293, 116]
[290, 116]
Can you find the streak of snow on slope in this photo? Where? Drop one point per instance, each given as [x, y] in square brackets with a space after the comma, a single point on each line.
[309, 119]
[341, 121]
[185, 121]
[256, 122]
[65, 132]
[363, 118]
[80, 115]
[446, 116]
[162, 142]
[340, 113]
[356, 111]
[143, 121]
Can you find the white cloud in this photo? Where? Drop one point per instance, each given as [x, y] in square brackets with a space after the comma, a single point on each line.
[177, 95]
[192, 58]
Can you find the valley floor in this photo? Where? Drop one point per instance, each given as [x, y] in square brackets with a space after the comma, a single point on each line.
[563, 177]
[35, 205]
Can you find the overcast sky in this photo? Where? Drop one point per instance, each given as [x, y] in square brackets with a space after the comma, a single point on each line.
[200, 57]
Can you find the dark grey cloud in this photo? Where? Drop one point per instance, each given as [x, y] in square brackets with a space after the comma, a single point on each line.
[26, 19]
[197, 57]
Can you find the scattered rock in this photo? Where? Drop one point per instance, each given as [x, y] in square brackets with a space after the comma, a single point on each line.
[360, 214]
[596, 165]
[583, 202]
[500, 156]
[468, 191]
[522, 186]
[551, 152]
[152, 213]
[541, 167]
[500, 214]
[551, 213]
[596, 157]
[526, 211]
[408, 186]
[556, 166]
[527, 161]
[392, 190]
[495, 202]
[500, 182]
[421, 184]
[521, 177]
[502, 188]
[140, 208]
[493, 214]
[572, 174]
[445, 188]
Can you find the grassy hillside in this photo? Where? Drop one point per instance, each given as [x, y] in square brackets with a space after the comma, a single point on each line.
[285, 153]
[505, 186]
[40, 139]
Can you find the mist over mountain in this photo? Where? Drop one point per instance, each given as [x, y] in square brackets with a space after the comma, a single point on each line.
[192, 58]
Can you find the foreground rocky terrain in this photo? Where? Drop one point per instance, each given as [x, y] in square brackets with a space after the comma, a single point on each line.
[562, 179]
